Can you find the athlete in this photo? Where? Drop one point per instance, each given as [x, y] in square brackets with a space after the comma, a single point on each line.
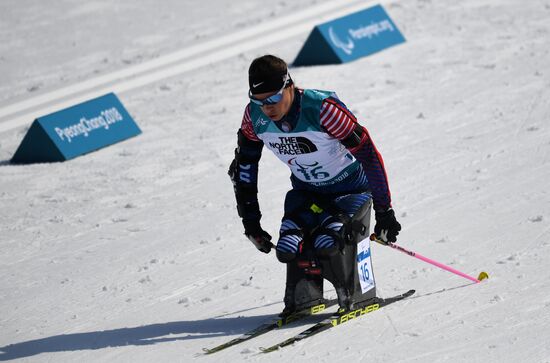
[335, 169]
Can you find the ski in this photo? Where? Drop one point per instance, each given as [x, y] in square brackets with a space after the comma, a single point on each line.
[339, 318]
[274, 324]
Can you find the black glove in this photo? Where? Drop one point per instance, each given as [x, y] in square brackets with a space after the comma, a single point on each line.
[260, 238]
[387, 227]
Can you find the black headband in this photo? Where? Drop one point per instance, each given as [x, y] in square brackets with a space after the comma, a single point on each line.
[261, 83]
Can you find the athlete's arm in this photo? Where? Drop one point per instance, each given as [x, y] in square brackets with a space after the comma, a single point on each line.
[243, 172]
[339, 122]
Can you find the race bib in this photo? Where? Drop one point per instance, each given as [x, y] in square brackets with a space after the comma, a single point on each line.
[364, 265]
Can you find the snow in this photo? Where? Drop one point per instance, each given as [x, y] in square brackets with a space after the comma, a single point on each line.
[135, 252]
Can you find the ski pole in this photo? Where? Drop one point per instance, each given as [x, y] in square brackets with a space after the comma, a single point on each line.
[482, 275]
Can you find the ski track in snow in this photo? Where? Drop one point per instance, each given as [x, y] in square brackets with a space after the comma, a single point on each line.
[135, 252]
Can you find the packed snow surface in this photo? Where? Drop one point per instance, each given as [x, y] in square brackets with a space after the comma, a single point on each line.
[135, 253]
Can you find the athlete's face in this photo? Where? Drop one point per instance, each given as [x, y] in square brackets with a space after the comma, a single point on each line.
[278, 110]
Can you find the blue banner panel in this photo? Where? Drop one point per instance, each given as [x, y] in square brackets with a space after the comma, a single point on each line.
[350, 37]
[76, 130]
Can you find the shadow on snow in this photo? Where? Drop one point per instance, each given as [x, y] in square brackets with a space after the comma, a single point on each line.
[143, 335]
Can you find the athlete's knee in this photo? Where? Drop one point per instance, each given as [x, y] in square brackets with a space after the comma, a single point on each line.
[329, 237]
[289, 241]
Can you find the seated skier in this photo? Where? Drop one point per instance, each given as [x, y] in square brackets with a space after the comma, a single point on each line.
[336, 172]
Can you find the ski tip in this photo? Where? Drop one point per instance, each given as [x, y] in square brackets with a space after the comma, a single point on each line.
[483, 275]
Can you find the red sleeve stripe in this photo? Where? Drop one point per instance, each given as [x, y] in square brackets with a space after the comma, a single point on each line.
[342, 124]
[337, 122]
[246, 126]
[341, 108]
[326, 111]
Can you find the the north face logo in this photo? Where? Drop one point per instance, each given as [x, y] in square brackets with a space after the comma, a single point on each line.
[293, 146]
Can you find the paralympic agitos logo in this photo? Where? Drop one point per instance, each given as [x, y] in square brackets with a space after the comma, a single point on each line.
[293, 146]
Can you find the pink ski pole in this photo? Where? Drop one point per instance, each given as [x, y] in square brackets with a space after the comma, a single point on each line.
[482, 275]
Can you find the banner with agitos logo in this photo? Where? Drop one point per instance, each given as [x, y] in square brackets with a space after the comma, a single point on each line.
[348, 38]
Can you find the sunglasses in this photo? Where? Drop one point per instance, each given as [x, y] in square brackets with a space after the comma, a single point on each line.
[274, 99]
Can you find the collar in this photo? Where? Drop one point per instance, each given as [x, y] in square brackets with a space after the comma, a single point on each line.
[289, 121]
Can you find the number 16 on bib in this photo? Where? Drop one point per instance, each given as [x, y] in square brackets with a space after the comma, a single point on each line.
[364, 266]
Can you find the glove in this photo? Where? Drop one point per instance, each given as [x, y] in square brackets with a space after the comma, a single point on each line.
[260, 238]
[387, 227]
